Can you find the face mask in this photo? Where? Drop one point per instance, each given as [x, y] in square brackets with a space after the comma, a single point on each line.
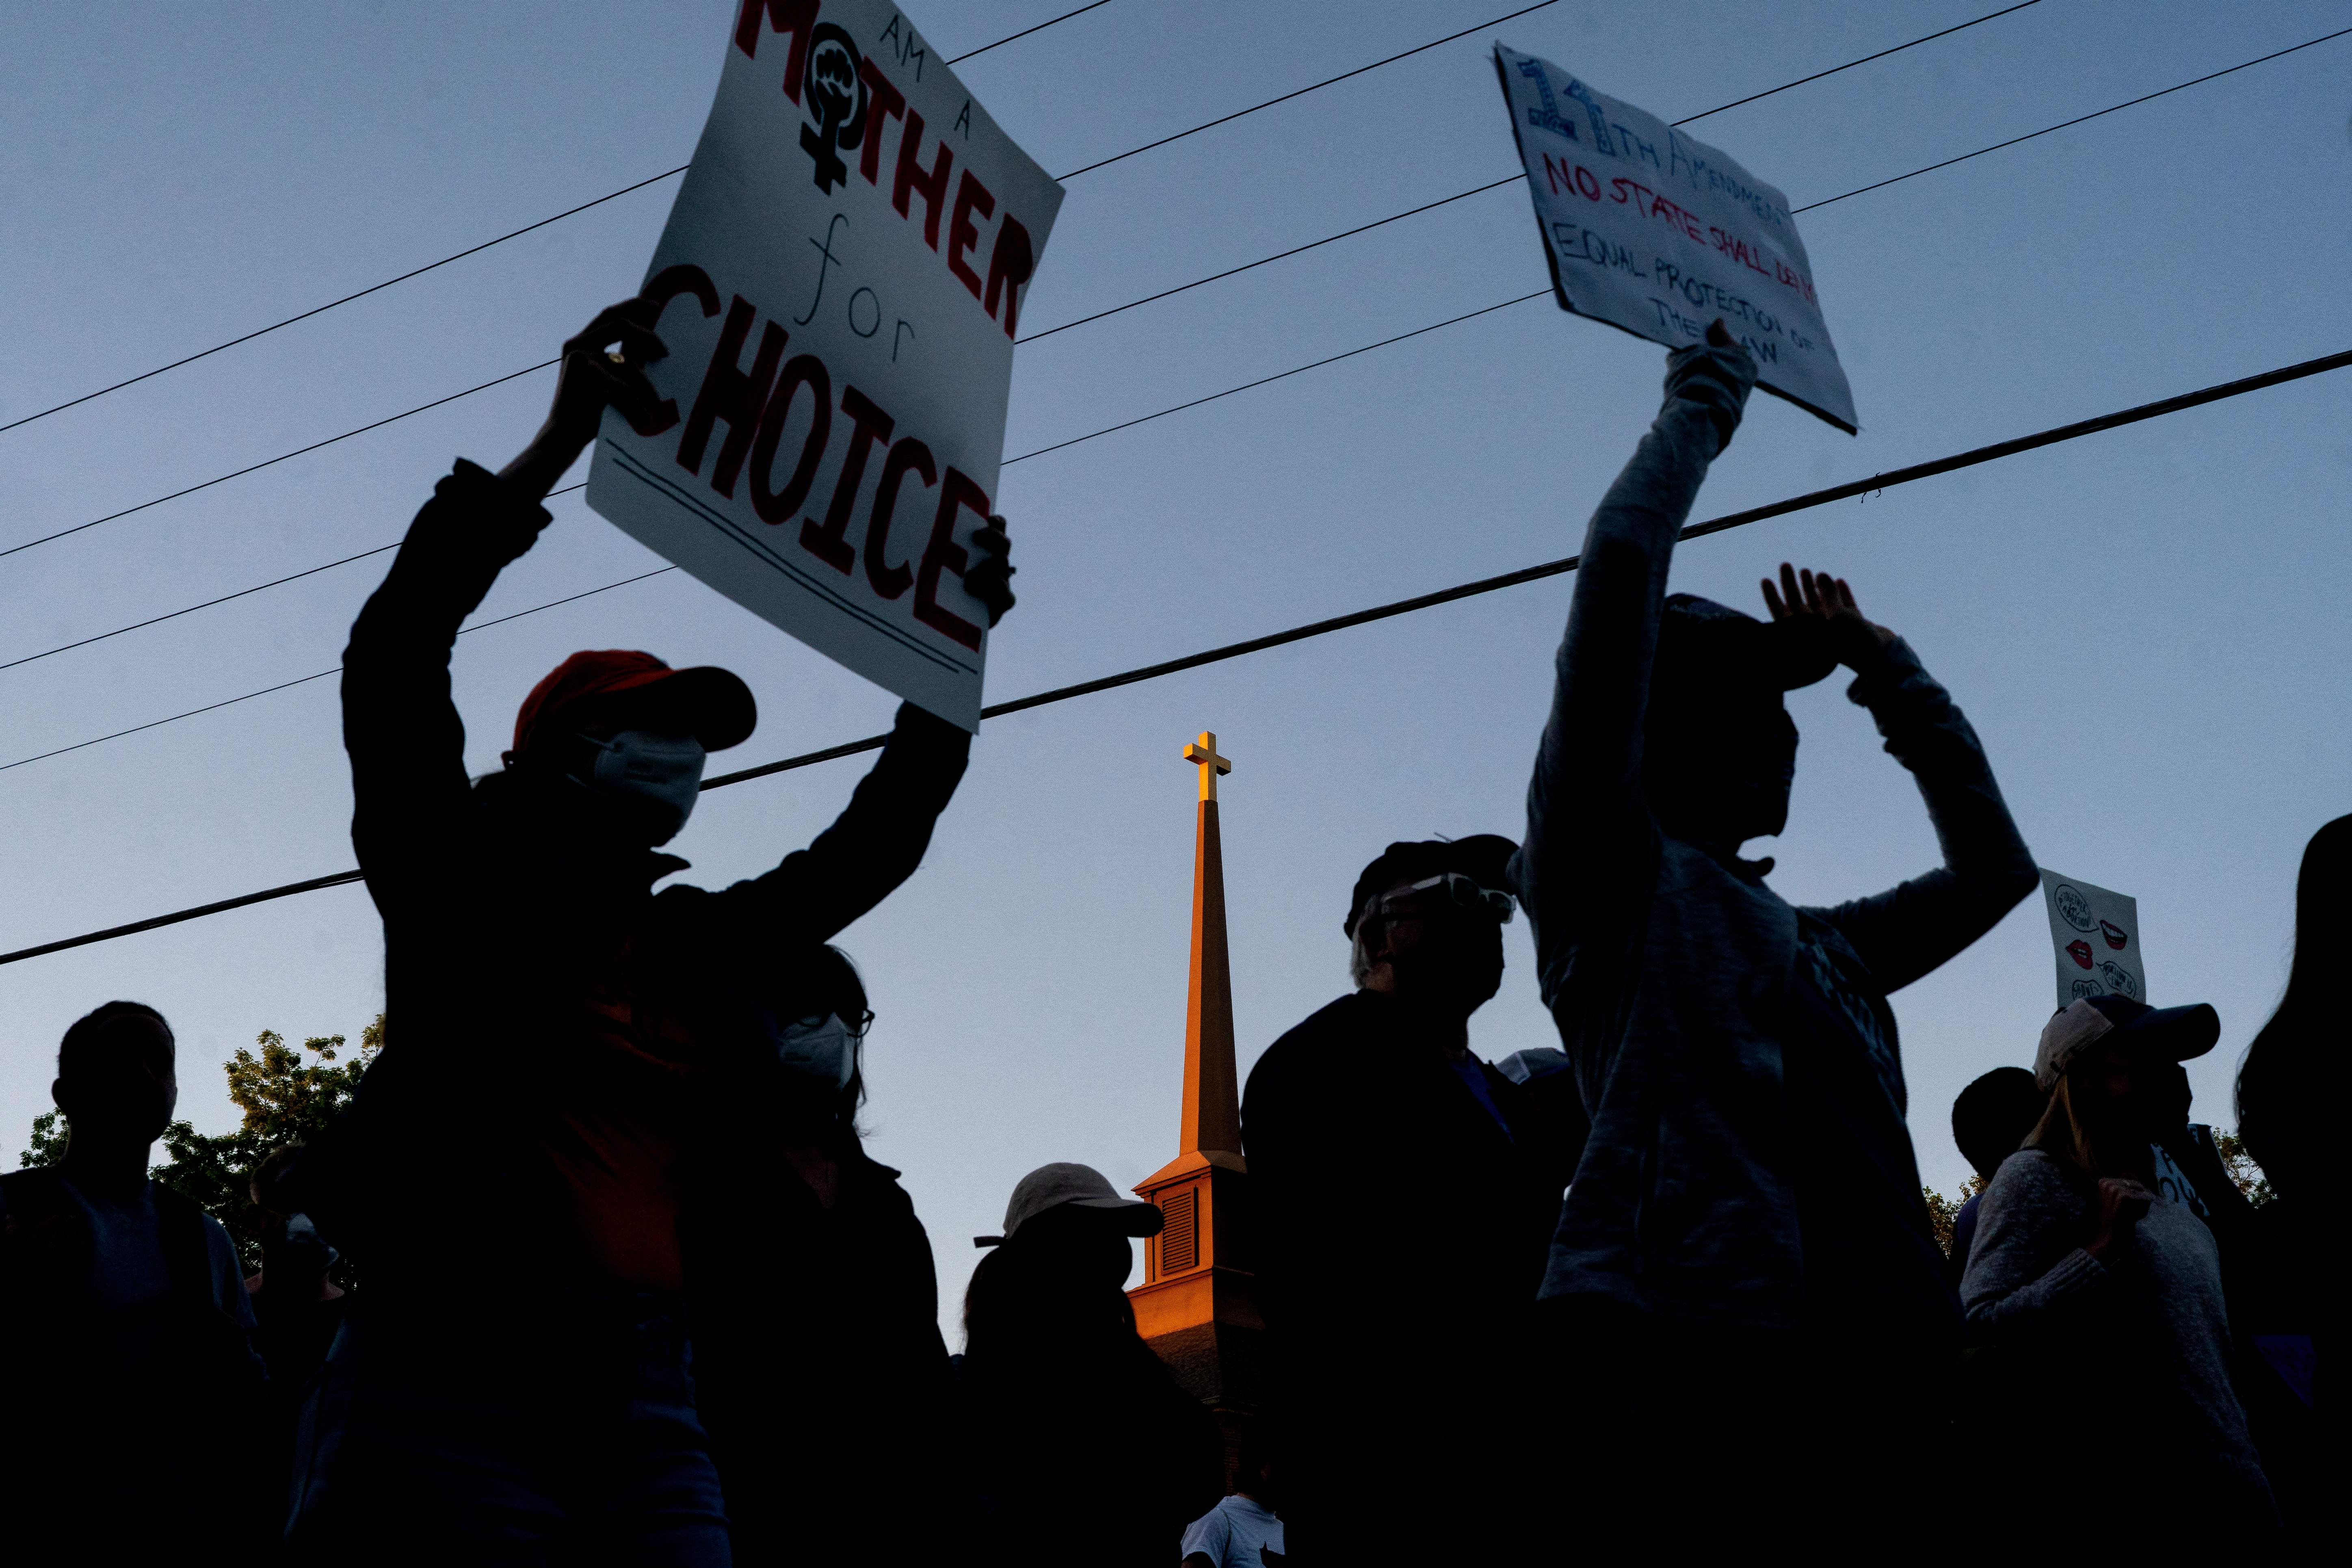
[299, 1247]
[657, 777]
[822, 1050]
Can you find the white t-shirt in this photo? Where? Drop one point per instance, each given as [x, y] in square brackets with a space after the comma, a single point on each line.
[1236, 1533]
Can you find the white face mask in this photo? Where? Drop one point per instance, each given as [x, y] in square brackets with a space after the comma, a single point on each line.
[822, 1050]
[661, 774]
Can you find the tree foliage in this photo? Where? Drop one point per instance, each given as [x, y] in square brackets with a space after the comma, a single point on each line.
[1943, 1213]
[287, 1093]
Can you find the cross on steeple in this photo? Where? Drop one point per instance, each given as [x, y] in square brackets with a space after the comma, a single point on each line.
[1202, 753]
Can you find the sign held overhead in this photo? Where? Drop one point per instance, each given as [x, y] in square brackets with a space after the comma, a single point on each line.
[2096, 935]
[1650, 230]
[841, 277]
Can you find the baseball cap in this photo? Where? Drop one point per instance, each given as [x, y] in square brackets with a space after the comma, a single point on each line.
[1063, 1184]
[2177, 1034]
[1483, 858]
[714, 704]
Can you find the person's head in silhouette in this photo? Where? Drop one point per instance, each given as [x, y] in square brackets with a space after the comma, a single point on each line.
[118, 1085]
[1993, 1116]
[1054, 1284]
[611, 746]
[815, 1028]
[2112, 1068]
[2290, 1086]
[1425, 923]
[1719, 750]
[295, 1258]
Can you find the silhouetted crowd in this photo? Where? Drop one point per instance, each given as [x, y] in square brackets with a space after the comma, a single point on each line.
[631, 1290]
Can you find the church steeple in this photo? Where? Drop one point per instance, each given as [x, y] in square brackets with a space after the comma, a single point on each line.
[1212, 1102]
[1197, 1306]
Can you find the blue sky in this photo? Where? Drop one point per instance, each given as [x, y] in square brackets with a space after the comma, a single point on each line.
[2146, 627]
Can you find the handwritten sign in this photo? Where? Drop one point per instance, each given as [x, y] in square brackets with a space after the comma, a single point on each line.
[1650, 230]
[843, 274]
[2096, 935]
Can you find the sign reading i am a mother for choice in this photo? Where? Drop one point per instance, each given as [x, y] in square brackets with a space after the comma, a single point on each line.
[1649, 230]
[842, 278]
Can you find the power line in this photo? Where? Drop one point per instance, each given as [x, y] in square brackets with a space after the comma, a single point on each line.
[1024, 32]
[1475, 190]
[1876, 483]
[667, 173]
[1278, 376]
[457, 256]
[360, 294]
[2128, 103]
[321, 675]
[1923, 38]
[1300, 92]
[282, 456]
[1282, 254]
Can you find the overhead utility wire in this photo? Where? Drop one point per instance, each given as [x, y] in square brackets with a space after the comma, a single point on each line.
[321, 675]
[2113, 108]
[1923, 38]
[1278, 376]
[459, 255]
[269, 462]
[1870, 486]
[1475, 190]
[1511, 179]
[1300, 92]
[1024, 32]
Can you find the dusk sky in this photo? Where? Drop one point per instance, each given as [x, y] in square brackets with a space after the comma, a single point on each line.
[2146, 627]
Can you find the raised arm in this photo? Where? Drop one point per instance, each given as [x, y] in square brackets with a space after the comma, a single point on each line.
[874, 845]
[1912, 928]
[406, 743]
[1590, 841]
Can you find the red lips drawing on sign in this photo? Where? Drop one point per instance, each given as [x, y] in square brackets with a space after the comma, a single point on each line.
[2116, 936]
[2080, 952]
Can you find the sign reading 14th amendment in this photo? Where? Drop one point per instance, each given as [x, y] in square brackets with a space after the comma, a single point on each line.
[1649, 230]
[841, 277]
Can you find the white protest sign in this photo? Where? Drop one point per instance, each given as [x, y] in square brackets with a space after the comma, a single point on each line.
[842, 272]
[1651, 231]
[2096, 935]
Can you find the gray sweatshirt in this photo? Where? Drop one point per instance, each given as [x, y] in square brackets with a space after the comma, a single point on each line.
[1670, 974]
[2030, 1283]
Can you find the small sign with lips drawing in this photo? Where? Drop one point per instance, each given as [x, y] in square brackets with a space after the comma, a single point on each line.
[2096, 935]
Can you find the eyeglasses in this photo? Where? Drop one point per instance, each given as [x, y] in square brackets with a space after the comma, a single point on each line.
[854, 1027]
[1459, 890]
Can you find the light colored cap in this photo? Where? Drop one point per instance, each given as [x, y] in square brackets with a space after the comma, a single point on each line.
[1077, 1186]
[2175, 1033]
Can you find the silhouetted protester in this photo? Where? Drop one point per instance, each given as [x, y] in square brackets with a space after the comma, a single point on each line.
[554, 1028]
[1077, 1444]
[1990, 1122]
[818, 1362]
[130, 1394]
[2291, 1108]
[1743, 1273]
[1365, 1381]
[296, 1307]
[1244, 1531]
[2104, 1296]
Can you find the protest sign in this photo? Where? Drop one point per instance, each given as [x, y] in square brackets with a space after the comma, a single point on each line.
[842, 276]
[1648, 229]
[2096, 935]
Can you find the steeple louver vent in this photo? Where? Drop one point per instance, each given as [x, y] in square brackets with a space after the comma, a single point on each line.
[1180, 1241]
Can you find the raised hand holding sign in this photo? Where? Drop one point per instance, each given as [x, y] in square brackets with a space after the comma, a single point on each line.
[838, 286]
